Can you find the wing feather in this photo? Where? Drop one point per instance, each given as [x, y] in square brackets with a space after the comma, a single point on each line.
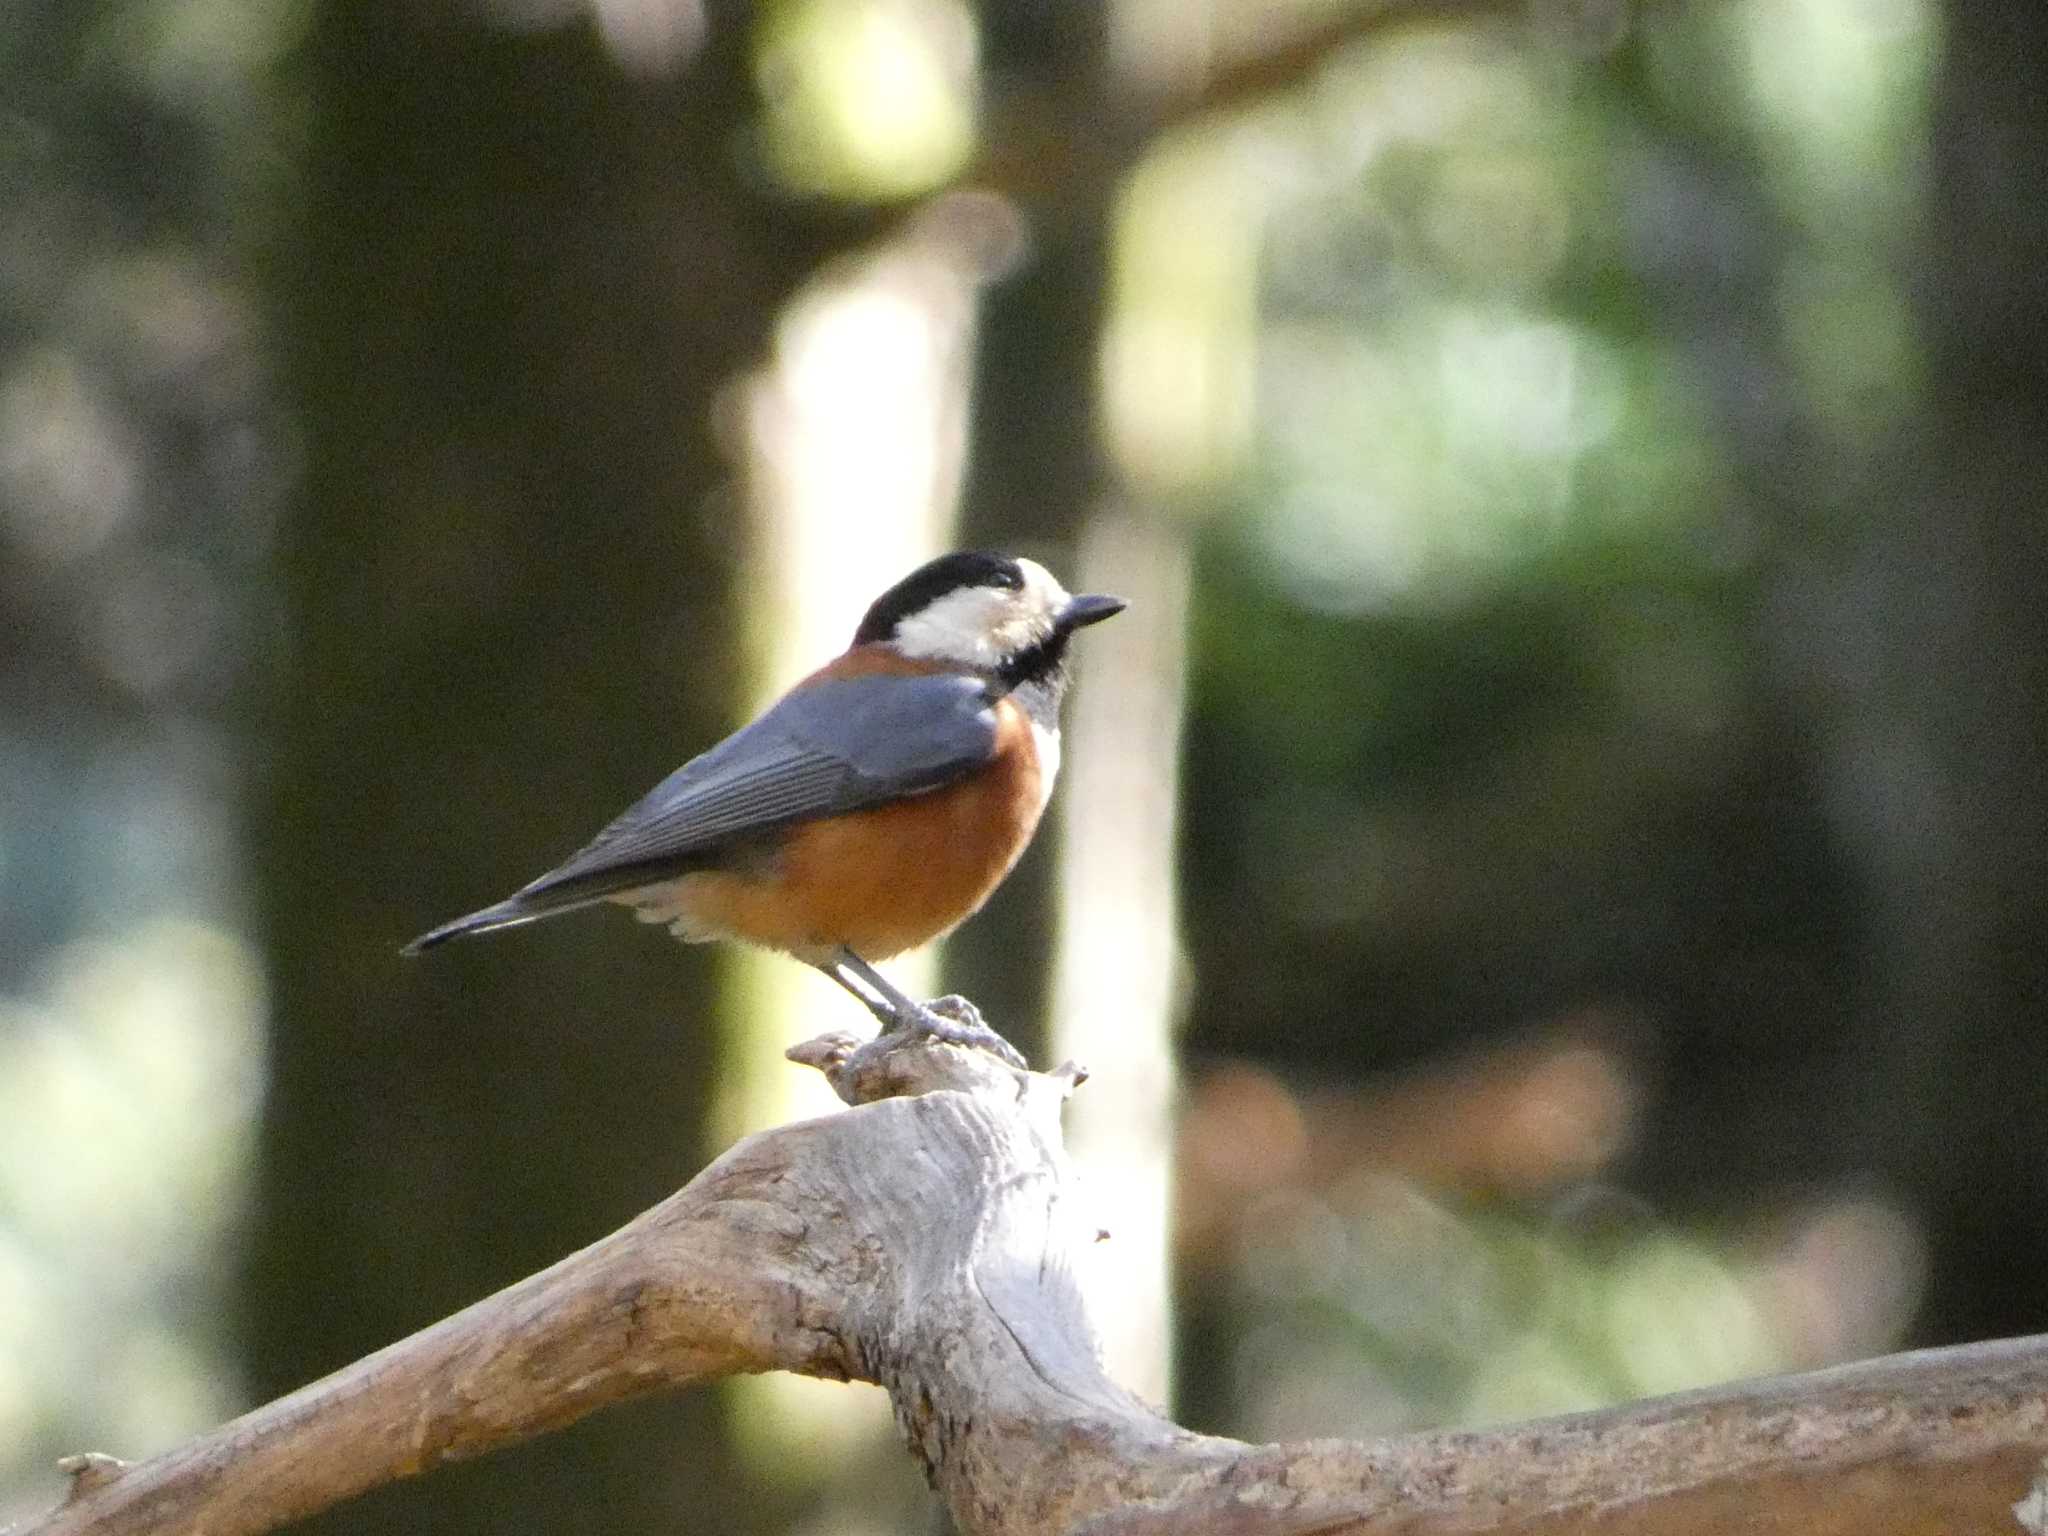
[834, 745]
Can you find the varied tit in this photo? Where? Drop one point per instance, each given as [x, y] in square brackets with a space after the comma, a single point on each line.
[872, 808]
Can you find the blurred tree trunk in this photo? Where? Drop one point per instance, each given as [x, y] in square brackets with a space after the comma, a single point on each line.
[1046, 447]
[517, 281]
[1034, 469]
[1911, 631]
[1961, 659]
[1902, 630]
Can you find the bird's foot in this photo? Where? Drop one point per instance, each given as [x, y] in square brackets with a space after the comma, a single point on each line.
[953, 1020]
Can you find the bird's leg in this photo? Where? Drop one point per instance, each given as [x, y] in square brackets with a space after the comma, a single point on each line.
[952, 1019]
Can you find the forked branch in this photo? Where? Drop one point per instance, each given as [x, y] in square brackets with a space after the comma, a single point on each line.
[924, 1240]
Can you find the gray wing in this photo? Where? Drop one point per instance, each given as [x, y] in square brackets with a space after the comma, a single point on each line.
[836, 745]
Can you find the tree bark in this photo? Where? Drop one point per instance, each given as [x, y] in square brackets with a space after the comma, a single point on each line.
[924, 1240]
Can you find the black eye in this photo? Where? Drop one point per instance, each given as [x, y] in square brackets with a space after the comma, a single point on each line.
[972, 568]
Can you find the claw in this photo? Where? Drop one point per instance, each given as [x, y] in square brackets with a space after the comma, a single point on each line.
[957, 1008]
[955, 1021]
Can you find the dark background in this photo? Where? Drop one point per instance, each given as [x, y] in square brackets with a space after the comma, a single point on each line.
[1607, 449]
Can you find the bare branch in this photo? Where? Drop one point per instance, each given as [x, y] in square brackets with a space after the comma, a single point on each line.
[698, 1288]
[923, 1240]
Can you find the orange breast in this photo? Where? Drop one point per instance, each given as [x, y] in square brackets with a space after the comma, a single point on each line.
[882, 880]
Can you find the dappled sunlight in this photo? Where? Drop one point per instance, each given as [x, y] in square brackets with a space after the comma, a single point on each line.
[1840, 87]
[1117, 993]
[143, 461]
[1177, 341]
[851, 440]
[1841, 91]
[1542, 864]
[1448, 1249]
[1429, 419]
[868, 98]
[129, 1086]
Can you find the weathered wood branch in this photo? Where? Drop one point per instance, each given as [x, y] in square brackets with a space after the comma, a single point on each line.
[923, 1240]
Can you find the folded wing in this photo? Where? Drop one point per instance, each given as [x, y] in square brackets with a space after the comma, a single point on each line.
[836, 745]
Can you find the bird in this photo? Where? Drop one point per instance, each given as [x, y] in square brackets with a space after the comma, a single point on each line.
[872, 808]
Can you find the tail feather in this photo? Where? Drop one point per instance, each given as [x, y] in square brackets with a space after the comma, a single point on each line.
[524, 907]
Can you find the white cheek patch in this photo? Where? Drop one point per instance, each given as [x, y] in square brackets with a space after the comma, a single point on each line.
[983, 627]
[961, 626]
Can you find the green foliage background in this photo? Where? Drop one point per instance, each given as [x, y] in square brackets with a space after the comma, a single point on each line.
[1613, 818]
